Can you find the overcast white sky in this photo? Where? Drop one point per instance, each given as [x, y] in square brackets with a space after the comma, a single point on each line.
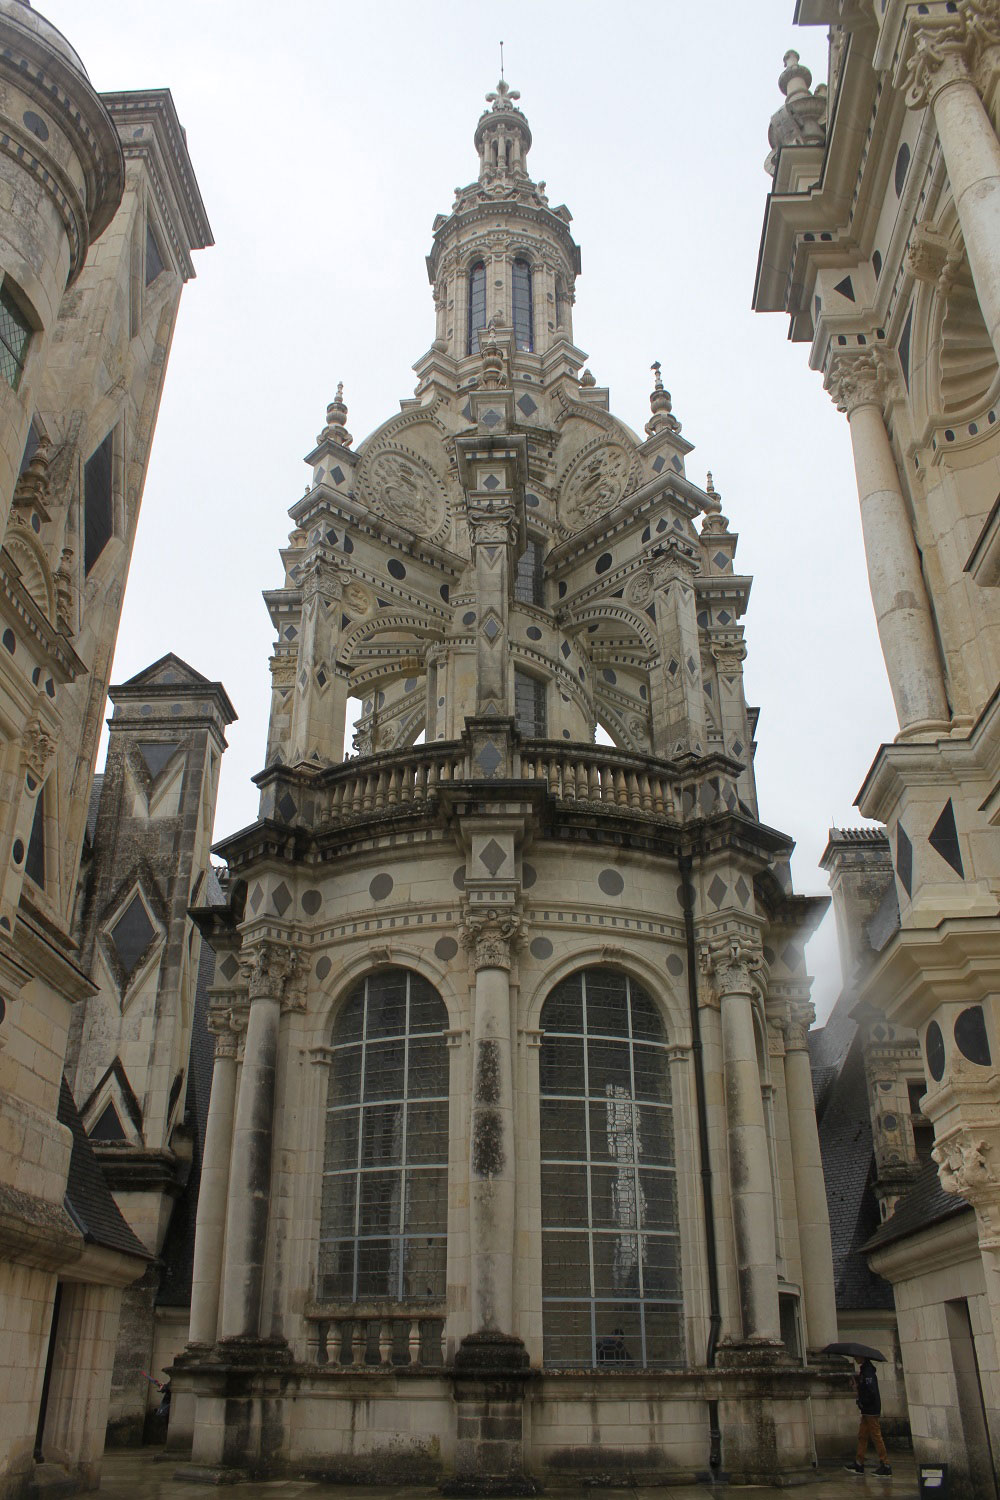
[325, 139]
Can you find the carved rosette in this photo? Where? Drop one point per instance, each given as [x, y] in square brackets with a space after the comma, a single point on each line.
[492, 937]
[734, 965]
[855, 380]
[37, 748]
[269, 970]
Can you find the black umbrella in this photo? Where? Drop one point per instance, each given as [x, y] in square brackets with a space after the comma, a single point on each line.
[855, 1351]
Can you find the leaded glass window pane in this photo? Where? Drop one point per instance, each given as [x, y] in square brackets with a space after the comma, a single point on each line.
[524, 337]
[529, 705]
[477, 305]
[15, 336]
[528, 579]
[611, 1289]
[383, 1216]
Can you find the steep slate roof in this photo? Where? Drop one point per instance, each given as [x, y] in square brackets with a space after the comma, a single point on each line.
[178, 1245]
[88, 1197]
[93, 806]
[925, 1204]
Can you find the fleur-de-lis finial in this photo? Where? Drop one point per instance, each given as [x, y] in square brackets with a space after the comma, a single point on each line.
[504, 96]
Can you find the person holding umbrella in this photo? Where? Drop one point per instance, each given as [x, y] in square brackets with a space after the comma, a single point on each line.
[869, 1402]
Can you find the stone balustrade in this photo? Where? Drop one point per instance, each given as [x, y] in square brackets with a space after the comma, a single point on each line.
[589, 776]
[376, 1337]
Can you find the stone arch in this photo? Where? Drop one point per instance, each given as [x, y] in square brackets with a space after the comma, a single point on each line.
[337, 983]
[635, 964]
[33, 566]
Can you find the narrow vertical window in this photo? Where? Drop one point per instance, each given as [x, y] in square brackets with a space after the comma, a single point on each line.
[34, 864]
[528, 580]
[529, 705]
[154, 260]
[98, 502]
[522, 309]
[383, 1219]
[15, 336]
[477, 305]
[611, 1284]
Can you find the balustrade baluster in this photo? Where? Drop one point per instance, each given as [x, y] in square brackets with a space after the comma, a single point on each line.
[420, 783]
[414, 1342]
[594, 782]
[392, 798]
[359, 1339]
[407, 775]
[621, 790]
[632, 781]
[581, 781]
[646, 793]
[368, 793]
[444, 1343]
[381, 782]
[385, 1342]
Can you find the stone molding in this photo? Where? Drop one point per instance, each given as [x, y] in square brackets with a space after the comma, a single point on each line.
[492, 936]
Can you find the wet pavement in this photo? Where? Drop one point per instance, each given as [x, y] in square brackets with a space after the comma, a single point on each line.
[145, 1475]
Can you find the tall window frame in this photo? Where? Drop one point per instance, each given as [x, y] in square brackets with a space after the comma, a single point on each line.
[15, 336]
[477, 305]
[384, 1201]
[529, 705]
[522, 305]
[529, 577]
[611, 1261]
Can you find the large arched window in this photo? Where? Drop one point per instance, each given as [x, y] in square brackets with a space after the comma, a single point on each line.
[611, 1285]
[524, 325]
[383, 1222]
[477, 305]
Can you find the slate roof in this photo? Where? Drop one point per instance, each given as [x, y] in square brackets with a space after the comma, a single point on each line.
[177, 1253]
[88, 1197]
[925, 1204]
[94, 805]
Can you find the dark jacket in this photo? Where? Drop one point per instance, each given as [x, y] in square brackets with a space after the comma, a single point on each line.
[868, 1398]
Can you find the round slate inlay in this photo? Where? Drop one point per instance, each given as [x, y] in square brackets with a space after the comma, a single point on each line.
[603, 563]
[380, 887]
[469, 618]
[10, 641]
[458, 879]
[675, 965]
[395, 568]
[610, 882]
[36, 124]
[540, 948]
[533, 633]
[311, 902]
[323, 968]
[445, 948]
[934, 1048]
[970, 1035]
[18, 851]
[528, 876]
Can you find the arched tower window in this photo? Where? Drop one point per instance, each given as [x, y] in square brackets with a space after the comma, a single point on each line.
[477, 304]
[521, 306]
[529, 705]
[383, 1220]
[611, 1287]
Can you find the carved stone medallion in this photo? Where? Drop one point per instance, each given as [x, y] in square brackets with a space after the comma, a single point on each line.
[402, 488]
[357, 600]
[593, 485]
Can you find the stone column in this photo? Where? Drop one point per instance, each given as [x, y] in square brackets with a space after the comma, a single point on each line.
[899, 594]
[269, 965]
[490, 936]
[214, 1191]
[941, 73]
[678, 705]
[733, 964]
[815, 1247]
[319, 702]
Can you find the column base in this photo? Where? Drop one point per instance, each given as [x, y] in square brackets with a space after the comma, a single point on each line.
[764, 1414]
[490, 1373]
[253, 1352]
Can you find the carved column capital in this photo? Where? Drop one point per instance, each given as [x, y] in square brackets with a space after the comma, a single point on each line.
[800, 1018]
[856, 380]
[730, 656]
[734, 965]
[965, 1169]
[320, 578]
[492, 936]
[939, 55]
[678, 560]
[490, 524]
[269, 969]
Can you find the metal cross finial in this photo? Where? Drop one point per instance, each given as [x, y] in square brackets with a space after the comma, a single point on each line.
[655, 367]
[501, 61]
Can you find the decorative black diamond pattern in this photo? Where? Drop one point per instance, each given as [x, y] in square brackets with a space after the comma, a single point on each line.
[904, 859]
[229, 967]
[281, 899]
[493, 857]
[491, 418]
[285, 807]
[132, 933]
[527, 406]
[337, 475]
[658, 463]
[943, 838]
[491, 483]
[489, 758]
[717, 891]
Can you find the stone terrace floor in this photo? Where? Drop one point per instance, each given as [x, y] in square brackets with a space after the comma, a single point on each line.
[143, 1475]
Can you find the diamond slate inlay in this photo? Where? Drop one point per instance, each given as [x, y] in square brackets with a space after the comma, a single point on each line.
[721, 560]
[256, 897]
[156, 757]
[229, 967]
[491, 628]
[742, 890]
[285, 807]
[489, 759]
[491, 483]
[281, 898]
[658, 463]
[527, 406]
[491, 418]
[943, 838]
[904, 859]
[493, 857]
[717, 891]
[337, 475]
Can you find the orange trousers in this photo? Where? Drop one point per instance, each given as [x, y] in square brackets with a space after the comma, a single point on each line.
[870, 1431]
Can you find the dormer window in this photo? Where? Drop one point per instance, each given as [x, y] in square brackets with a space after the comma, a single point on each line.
[521, 306]
[477, 305]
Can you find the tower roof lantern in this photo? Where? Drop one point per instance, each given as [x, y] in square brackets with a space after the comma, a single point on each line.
[503, 137]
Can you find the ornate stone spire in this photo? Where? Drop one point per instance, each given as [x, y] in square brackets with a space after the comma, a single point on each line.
[661, 406]
[335, 430]
[714, 520]
[801, 121]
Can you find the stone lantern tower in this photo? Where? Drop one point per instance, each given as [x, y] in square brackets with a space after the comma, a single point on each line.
[515, 1120]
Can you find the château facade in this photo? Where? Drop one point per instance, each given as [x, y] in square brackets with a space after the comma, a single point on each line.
[880, 243]
[511, 1131]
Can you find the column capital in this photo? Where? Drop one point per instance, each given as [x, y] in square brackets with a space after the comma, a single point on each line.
[491, 522]
[959, 49]
[800, 1018]
[677, 559]
[268, 968]
[730, 656]
[37, 748]
[735, 965]
[492, 937]
[965, 1169]
[857, 379]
